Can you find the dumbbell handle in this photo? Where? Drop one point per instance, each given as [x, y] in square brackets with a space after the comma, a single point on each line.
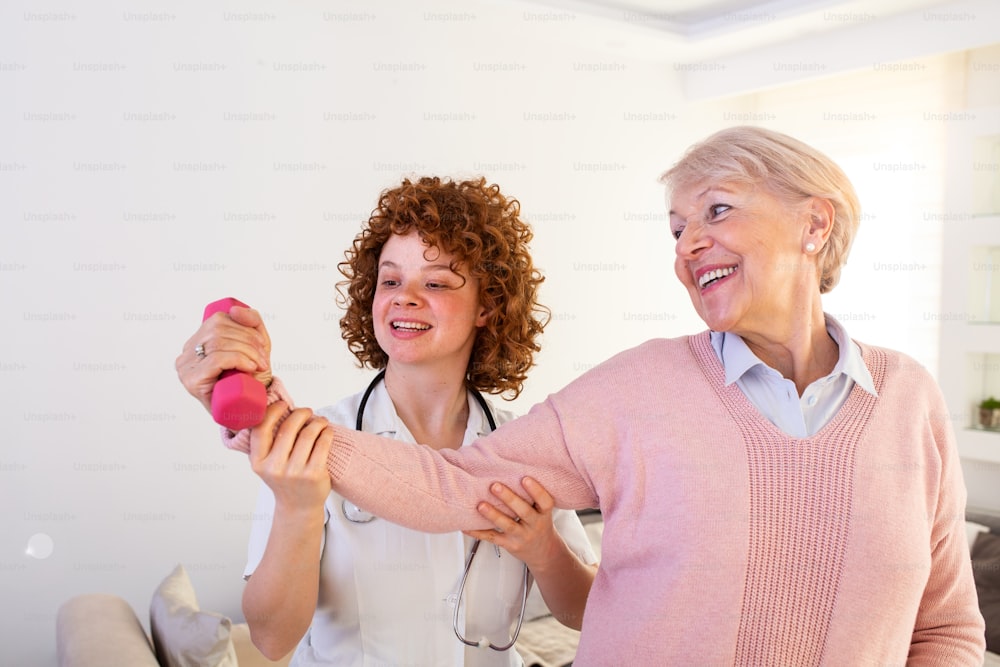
[238, 399]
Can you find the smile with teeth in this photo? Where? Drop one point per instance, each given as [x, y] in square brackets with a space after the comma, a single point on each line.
[411, 326]
[711, 276]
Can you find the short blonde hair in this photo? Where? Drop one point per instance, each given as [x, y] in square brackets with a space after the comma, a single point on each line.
[789, 168]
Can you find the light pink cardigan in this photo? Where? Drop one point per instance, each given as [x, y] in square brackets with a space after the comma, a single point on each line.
[726, 542]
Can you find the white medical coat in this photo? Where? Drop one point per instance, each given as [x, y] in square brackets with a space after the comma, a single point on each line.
[387, 593]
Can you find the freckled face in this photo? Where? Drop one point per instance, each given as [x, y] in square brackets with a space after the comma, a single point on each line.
[739, 254]
[423, 311]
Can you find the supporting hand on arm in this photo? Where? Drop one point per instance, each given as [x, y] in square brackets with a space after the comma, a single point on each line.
[438, 491]
[563, 579]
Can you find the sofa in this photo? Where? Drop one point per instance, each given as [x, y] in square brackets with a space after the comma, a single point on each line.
[983, 531]
[102, 630]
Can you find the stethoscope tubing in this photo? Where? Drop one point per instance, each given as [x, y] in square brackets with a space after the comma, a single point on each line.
[361, 516]
[352, 512]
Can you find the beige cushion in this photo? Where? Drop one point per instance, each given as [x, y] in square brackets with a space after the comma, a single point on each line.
[183, 635]
[101, 629]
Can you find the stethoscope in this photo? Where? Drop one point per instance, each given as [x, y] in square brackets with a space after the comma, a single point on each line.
[358, 515]
[354, 513]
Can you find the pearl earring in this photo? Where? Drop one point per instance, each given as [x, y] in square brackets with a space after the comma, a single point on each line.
[810, 247]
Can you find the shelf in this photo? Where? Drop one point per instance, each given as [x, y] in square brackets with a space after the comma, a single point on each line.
[986, 175]
[980, 337]
[982, 380]
[984, 283]
[978, 230]
[969, 317]
[979, 445]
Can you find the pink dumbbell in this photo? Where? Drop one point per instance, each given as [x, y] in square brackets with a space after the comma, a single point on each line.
[238, 399]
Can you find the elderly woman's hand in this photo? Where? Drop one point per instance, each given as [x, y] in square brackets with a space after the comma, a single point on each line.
[237, 340]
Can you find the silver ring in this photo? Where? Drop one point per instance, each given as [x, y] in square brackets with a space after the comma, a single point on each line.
[199, 351]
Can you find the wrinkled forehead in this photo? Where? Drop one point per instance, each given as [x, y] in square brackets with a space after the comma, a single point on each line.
[696, 192]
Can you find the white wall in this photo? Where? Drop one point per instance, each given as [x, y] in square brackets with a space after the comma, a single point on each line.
[153, 160]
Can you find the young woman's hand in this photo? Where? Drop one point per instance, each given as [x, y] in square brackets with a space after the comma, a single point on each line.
[531, 537]
[237, 340]
[288, 450]
[562, 578]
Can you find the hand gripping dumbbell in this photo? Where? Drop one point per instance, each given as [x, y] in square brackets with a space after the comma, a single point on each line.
[238, 399]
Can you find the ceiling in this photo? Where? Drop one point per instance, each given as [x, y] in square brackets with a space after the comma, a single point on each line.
[697, 29]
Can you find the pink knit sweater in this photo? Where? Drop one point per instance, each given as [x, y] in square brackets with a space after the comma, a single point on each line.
[726, 542]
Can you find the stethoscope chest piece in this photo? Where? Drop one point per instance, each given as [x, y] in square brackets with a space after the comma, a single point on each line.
[355, 513]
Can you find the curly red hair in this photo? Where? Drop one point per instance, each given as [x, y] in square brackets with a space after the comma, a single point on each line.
[483, 230]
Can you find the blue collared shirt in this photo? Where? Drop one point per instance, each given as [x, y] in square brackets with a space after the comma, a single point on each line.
[777, 398]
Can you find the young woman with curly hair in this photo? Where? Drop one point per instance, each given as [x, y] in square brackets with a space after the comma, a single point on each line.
[480, 228]
[440, 297]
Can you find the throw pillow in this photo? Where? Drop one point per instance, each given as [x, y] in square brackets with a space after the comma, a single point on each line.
[986, 570]
[183, 635]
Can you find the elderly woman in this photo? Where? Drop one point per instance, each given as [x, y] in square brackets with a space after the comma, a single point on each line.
[774, 492]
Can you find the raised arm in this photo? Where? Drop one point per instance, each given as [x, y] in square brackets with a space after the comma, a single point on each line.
[438, 491]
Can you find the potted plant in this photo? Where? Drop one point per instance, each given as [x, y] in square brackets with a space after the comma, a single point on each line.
[989, 413]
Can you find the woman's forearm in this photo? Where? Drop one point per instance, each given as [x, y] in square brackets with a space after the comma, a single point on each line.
[564, 582]
[438, 491]
[280, 597]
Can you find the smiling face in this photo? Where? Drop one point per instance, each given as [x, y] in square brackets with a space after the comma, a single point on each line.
[740, 254]
[423, 311]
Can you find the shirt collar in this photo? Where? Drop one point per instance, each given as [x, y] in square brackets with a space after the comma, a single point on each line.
[734, 354]
[381, 417]
[737, 359]
[850, 363]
